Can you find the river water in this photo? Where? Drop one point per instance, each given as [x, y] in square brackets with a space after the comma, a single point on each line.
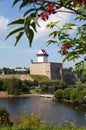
[50, 110]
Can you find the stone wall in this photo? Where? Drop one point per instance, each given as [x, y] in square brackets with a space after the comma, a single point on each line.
[40, 69]
[19, 76]
[50, 69]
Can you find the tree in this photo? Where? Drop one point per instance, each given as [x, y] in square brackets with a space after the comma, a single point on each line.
[72, 47]
[14, 86]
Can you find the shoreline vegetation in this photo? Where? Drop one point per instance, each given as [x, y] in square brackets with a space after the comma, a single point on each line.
[33, 122]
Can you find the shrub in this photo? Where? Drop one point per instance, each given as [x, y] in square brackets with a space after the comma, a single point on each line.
[58, 94]
[30, 121]
[4, 117]
[66, 93]
[82, 96]
[73, 95]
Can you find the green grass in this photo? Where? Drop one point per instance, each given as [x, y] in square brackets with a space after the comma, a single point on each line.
[40, 78]
[44, 128]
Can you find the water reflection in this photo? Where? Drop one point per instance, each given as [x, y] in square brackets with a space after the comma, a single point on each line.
[50, 110]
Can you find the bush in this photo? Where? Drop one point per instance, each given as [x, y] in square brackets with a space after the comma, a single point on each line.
[30, 121]
[4, 117]
[66, 93]
[73, 95]
[82, 96]
[58, 94]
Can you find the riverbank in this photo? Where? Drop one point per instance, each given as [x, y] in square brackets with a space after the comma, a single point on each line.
[22, 95]
[6, 95]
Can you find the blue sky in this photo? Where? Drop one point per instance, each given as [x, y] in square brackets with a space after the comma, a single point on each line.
[21, 55]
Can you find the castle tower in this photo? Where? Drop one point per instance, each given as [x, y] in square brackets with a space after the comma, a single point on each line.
[42, 56]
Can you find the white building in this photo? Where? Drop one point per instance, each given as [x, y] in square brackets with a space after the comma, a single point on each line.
[42, 56]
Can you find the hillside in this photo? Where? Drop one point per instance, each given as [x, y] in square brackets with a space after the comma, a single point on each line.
[19, 76]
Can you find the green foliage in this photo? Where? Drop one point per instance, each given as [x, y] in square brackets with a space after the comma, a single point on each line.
[14, 86]
[66, 93]
[1, 85]
[73, 95]
[58, 94]
[44, 89]
[39, 78]
[25, 86]
[82, 96]
[46, 127]
[33, 122]
[4, 117]
[30, 121]
[69, 78]
[5, 84]
[83, 78]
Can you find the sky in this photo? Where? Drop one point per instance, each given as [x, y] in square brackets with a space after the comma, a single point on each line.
[21, 55]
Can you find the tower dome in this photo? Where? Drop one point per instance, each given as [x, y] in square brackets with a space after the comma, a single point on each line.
[42, 56]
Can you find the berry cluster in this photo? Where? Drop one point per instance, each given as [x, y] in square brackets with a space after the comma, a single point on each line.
[64, 48]
[81, 1]
[51, 9]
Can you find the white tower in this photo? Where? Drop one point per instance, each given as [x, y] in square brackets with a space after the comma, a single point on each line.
[42, 56]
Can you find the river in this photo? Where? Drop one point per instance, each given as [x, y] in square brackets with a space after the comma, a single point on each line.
[50, 110]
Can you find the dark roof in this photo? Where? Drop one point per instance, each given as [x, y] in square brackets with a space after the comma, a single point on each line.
[44, 53]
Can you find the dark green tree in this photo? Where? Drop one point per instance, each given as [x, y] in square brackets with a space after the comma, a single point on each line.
[14, 86]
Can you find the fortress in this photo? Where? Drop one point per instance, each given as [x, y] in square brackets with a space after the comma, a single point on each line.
[53, 70]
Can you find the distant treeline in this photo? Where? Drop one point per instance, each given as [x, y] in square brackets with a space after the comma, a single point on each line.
[17, 70]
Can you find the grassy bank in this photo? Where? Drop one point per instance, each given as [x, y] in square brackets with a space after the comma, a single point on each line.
[44, 128]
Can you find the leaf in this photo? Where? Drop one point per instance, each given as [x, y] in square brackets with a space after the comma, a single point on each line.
[30, 10]
[52, 24]
[30, 35]
[80, 18]
[51, 41]
[55, 33]
[18, 37]
[36, 21]
[33, 24]
[14, 31]
[68, 26]
[15, 2]
[24, 3]
[17, 21]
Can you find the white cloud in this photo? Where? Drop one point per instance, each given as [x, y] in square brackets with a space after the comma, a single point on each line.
[3, 26]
